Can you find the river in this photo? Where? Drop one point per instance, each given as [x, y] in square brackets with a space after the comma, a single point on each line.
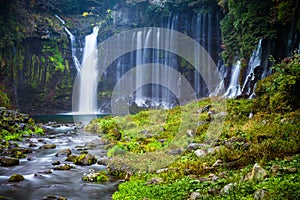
[39, 184]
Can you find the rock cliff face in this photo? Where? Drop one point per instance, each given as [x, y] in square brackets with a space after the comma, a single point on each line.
[39, 71]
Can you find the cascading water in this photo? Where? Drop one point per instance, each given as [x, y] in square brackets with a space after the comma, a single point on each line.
[89, 75]
[234, 86]
[255, 61]
[72, 41]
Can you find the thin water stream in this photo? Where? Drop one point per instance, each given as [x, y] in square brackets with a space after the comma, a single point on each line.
[39, 184]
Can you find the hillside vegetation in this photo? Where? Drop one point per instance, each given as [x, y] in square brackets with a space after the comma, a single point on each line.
[249, 151]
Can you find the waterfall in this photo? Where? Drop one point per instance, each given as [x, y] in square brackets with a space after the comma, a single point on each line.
[72, 41]
[234, 86]
[255, 61]
[89, 75]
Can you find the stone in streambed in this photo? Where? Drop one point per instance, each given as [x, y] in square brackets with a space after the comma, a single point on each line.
[63, 152]
[7, 161]
[16, 178]
[48, 146]
[85, 159]
[71, 158]
[63, 167]
[52, 197]
[56, 162]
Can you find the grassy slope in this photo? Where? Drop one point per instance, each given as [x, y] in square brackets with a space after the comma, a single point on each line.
[143, 143]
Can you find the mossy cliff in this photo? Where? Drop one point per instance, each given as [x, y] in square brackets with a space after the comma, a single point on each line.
[238, 149]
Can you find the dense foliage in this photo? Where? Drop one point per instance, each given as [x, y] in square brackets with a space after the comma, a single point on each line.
[245, 22]
[280, 91]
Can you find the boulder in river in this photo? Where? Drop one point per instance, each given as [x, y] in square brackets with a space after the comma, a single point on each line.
[63, 152]
[7, 161]
[48, 146]
[64, 167]
[85, 159]
[16, 178]
[71, 158]
[52, 197]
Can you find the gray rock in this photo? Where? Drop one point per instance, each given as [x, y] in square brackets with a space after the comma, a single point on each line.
[195, 196]
[258, 172]
[63, 152]
[63, 167]
[85, 159]
[260, 194]
[227, 188]
[217, 163]
[48, 146]
[200, 153]
[175, 152]
[103, 161]
[194, 146]
[190, 133]
[71, 158]
[155, 181]
[162, 170]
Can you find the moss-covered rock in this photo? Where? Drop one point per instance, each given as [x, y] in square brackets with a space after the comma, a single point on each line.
[16, 178]
[85, 159]
[64, 167]
[7, 161]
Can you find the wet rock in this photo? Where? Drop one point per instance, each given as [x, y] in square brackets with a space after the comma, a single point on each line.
[52, 197]
[16, 178]
[200, 153]
[217, 163]
[48, 146]
[155, 181]
[229, 187]
[260, 194]
[204, 179]
[85, 159]
[204, 109]
[175, 152]
[93, 176]
[63, 167]
[190, 133]
[195, 196]
[258, 173]
[103, 161]
[32, 144]
[195, 146]
[80, 148]
[63, 152]
[71, 158]
[7, 161]
[57, 162]
[159, 171]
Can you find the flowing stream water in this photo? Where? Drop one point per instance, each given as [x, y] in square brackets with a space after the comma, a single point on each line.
[66, 183]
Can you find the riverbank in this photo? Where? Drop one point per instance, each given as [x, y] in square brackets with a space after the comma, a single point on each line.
[240, 153]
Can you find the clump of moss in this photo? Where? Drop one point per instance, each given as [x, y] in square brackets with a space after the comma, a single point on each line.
[15, 125]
